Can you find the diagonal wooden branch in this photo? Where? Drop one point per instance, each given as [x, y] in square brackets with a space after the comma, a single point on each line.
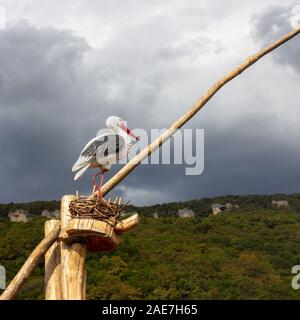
[18, 281]
[131, 165]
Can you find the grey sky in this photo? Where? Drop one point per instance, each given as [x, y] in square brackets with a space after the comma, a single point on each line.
[65, 67]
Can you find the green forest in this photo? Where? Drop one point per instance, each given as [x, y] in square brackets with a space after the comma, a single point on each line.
[245, 253]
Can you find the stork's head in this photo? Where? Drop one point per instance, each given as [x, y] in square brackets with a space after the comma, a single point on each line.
[116, 123]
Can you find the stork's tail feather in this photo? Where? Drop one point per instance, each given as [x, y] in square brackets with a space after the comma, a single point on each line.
[81, 172]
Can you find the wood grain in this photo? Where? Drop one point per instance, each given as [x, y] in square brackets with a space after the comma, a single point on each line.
[73, 273]
[127, 224]
[52, 266]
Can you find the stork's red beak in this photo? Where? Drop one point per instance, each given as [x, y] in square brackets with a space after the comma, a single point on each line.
[128, 131]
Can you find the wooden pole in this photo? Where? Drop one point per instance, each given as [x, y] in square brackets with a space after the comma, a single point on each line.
[16, 284]
[131, 165]
[52, 266]
[73, 273]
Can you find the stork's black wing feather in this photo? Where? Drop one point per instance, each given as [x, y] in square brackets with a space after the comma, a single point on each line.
[105, 145]
[90, 150]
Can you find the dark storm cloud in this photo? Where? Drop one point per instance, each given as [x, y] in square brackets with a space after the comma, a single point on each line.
[56, 92]
[41, 100]
[53, 99]
[274, 23]
[243, 159]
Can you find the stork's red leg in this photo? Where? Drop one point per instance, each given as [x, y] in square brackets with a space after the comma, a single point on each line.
[101, 182]
[100, 185]
[94, 178]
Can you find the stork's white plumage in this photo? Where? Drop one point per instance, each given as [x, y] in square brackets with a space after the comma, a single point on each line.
[106, 148]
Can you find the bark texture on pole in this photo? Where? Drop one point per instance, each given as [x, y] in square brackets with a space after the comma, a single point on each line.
[73, 273]
[16, 284]
[117, 178]
[52, 266]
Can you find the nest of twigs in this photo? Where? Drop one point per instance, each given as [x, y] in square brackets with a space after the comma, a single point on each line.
[97, 208]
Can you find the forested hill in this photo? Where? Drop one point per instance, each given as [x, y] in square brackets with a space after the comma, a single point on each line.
[201, 207]
[245, 253]
[235, 255]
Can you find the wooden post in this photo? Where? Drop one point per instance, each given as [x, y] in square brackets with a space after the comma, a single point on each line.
[52, 266]
[73, 273]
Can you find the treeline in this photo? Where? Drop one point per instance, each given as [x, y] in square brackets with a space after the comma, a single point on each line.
[34, 208]
[201, 207]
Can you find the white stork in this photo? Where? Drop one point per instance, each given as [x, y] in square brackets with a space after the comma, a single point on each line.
[105, 149]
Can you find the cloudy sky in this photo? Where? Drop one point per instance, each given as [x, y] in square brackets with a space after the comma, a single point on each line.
[67, 65]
